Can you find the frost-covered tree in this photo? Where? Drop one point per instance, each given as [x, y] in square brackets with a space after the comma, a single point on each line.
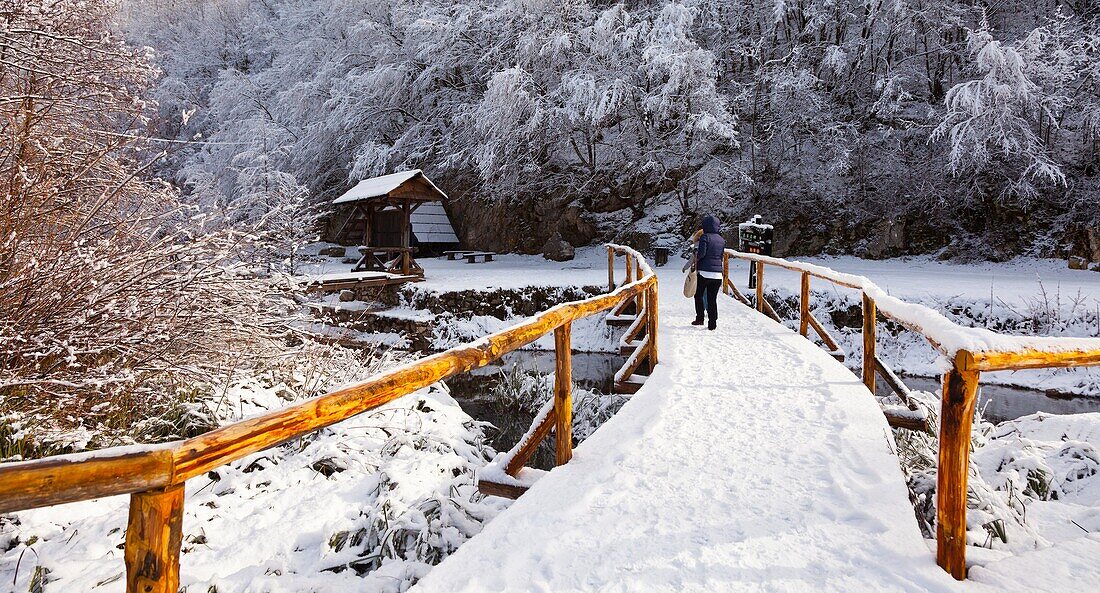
[110, 288]
[994, 122]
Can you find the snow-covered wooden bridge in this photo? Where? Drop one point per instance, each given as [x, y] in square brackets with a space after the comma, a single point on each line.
[748, 459]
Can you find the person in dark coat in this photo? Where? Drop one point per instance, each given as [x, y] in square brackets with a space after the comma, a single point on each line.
[708, 264]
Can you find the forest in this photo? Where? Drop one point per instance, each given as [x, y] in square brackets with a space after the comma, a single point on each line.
[169, 269]
[966, 129]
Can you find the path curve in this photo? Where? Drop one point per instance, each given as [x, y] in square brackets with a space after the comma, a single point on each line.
[750, 461]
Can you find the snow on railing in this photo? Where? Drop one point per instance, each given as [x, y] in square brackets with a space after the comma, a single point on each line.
[155, 475]
[967, 350]
[948, 336]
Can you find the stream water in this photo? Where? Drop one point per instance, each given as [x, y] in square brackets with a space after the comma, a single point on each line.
[473, 391]
[596, 371]
[999, 402]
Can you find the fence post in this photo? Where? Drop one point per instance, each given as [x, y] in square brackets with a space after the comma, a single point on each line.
[960, 387]
[725, 273]
[629, 268]
[869, 327]
[610, 269]
[651, 325]
[760, 286]
[153, 537]
[563, 395]
[804, 306]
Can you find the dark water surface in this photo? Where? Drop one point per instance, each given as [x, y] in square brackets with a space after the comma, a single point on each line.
[596, 371]
[472, 391]
[999, 403]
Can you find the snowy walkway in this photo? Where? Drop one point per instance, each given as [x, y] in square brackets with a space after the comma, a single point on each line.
[751, 461]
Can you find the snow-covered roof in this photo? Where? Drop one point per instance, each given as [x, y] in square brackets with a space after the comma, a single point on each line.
[380, 186]
[431, 224]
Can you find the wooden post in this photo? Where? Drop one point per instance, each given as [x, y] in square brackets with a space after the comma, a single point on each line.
[610, 268]
[629, 268]
[725, 273]
[651, 326]
[563, 395]
[869, 326]
[153, 537]
[368, 224]
[760, 286]
[804, 306]
[956, 418]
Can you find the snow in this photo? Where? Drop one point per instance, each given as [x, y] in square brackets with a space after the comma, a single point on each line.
[697, 484]
[1064, 567]
[379, 186]
[341, 276]
[511, 271]
[950, 336]
[273, 521]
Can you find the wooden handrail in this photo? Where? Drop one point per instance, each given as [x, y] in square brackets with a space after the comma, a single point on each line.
[969, 352]
[154, 475]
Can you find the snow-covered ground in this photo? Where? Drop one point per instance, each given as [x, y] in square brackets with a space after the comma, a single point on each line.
[507, 271]
[750, 461]
[390, 491]
[918, 278]
[1024, 297]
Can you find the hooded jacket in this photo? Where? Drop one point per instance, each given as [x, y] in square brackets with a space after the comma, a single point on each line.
[711, 247]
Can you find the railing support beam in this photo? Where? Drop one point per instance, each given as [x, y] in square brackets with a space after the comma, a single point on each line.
[869, 327]
[563, 395]
[760, 286]
[804, 306]
[956, 417]
[725, 273]
[154, 534]
[651, 326]
[610, 268]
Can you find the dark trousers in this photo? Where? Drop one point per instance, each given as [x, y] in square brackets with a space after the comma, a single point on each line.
[706, 295]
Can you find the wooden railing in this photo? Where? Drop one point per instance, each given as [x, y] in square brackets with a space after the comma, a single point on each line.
[154, 476]
[638, 312]
[969, 351]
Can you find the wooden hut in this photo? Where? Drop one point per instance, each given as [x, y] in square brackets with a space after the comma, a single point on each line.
[383, 219]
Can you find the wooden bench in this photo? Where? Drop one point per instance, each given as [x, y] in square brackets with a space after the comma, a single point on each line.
[471, 258]
[451, 255]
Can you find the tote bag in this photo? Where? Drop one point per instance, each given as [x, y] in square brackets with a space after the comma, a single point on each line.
[690, 282]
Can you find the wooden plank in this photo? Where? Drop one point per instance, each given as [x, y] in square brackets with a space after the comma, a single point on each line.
[69, 478]
[956, 418]
[891, 378]
[651, 313]
[870, 324]
[725, 273]
[1030, 359]
[497, 489]
[737, 293]
[902, 421]
[528, 448]
[760, 286]
[830, 343]
[628, 386]
[768, 309]
[563, 395]
[794, 266]
[804, 306]
[621, 320]
[154, 533]
[610, 268]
